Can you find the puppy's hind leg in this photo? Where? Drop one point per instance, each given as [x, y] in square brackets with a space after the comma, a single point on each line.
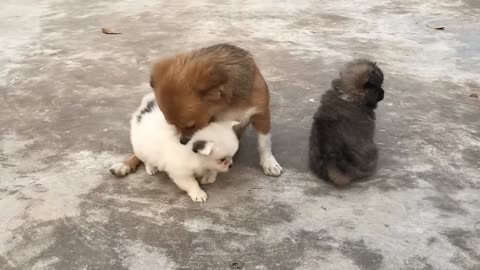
[125, 167]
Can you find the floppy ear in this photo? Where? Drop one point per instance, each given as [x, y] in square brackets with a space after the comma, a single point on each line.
[202, 147]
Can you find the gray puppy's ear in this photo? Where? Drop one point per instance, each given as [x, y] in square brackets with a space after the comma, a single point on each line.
[202, 147]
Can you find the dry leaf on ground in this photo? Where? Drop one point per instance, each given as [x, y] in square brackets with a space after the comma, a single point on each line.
[109, 31]
[436, 27]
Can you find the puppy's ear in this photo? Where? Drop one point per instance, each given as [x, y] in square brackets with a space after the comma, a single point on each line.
[202, 147]
[234, 124]
[207, 78]
[214, 94]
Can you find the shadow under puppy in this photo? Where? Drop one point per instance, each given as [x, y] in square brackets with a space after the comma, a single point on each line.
[157, 144]
[342, 144]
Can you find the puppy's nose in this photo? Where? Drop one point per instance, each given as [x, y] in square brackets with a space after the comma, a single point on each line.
[381, 94]
[230, 166]
[184, 140]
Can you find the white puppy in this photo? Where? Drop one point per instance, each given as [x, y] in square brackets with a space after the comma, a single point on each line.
[157, 144]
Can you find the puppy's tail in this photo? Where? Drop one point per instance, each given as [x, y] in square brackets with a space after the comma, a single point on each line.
[337, 177]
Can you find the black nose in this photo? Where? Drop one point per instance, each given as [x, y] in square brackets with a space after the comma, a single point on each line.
[381, 94]
[184, 140]
[230, 166]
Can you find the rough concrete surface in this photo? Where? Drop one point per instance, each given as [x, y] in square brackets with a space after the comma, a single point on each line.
[67, 91]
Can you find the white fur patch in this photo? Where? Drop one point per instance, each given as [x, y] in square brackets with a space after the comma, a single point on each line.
[157, 144]
[242, 116]
[268, 162]
[198, 195]
[151, 170]
[120, 169]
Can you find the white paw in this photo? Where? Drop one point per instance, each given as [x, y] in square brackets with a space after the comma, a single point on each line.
[151, 170]
[198, 195]
[120, 169]
[270, 166]
[208, 178]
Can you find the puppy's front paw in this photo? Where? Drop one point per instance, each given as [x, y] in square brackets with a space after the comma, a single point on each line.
[208, 178]
[120, 169]
[270, 166]
[198, 195]
[151, 170]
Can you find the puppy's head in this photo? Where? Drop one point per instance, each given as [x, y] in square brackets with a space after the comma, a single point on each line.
[361, 80]
[189, 92]
[217, 143]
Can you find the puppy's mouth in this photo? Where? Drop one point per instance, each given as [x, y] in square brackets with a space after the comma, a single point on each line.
[184, 139]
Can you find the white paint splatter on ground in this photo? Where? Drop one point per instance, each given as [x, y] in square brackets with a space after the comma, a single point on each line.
[139, 256]
[34, 191]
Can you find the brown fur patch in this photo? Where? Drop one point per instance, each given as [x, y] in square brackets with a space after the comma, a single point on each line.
[191, 88]
[133, 162]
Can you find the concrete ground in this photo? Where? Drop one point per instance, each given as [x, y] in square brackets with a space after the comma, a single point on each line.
[67, 91]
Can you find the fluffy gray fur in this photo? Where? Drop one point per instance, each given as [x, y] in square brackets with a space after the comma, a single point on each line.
[342, 144]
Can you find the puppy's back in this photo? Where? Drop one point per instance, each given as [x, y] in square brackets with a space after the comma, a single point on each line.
[151, 136]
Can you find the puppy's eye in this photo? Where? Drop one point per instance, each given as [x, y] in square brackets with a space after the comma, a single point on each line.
[223, 159]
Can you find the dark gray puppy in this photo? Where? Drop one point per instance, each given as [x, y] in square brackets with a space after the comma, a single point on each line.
[341, 139]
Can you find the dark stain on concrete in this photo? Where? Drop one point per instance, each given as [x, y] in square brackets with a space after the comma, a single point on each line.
[416, 263]
[462, 239]
[363, 256]
[431, 240]
[447, 205]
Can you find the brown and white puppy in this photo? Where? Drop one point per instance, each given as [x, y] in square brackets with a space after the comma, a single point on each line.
[220, 82]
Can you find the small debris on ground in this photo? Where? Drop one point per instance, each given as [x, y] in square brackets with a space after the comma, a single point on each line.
[436, 27]
[236, 265]
[109, 31]
[474, 95]
[323, 207]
